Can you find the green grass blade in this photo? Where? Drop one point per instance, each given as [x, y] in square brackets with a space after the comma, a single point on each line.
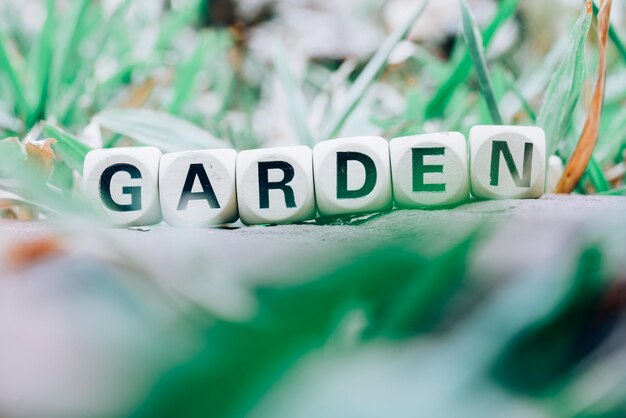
[556, 113]
[297, 104]
[512, 86]
[44, 55]
[371, 71]
[187, 73]
[66, 105]
[175, 22]
[621, 191]
[437, 106]
[596, 177]
[474, 43]
[68, 43]
[15, 82]
[9, 123]
[161, 130]
[70, 149]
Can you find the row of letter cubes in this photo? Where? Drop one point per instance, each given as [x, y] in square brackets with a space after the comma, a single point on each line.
[140, 186]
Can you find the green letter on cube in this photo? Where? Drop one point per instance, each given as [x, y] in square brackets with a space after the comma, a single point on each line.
[501, 147]
[419, 169]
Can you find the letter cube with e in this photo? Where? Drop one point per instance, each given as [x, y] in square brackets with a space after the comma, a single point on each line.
[198, 188]
[507, 162]
[352, 175]
[275, 185]
[429, 170]
[122, 184]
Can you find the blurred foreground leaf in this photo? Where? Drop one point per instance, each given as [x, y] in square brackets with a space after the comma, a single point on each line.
[240, 362]
[541, 354]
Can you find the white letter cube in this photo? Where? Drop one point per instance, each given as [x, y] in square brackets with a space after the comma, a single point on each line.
[429, 170]
[507, 162]
[352, 175]
[197, 188]
[122, 184]
[275, 185]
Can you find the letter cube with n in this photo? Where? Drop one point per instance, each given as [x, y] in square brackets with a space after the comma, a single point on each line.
[198, 188]
[352, 175]
[507, 162]
[122, 184]
[429, 170]
[275, 185]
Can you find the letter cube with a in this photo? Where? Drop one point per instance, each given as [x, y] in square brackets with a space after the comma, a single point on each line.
[275, 185]
[507, 162]
[429, 170]
[198, 188]
[352, 175]
[122, 184]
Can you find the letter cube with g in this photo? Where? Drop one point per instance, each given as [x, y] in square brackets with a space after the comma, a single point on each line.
[352, 175]
[429, 170]
[122, 184]
[507, 162]
[275, 185]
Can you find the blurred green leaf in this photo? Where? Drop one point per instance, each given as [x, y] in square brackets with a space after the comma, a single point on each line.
[175, 21]
[371, 71]
[293, 319]
[65, 48]
[557, 111]
[419, 305]
[297, 104]
[541, 354]
[595, 175]
[15, 80]
[157, 129]
[512, 86]
[613, 35]
[188, 72]
[43, 52]
[71, 150]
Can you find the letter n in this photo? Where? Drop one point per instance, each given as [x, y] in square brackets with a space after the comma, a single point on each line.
[502, 148]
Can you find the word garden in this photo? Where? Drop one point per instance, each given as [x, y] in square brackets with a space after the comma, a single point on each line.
[140, 186]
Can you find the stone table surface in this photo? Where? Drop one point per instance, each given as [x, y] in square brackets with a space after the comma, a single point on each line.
[516, 233]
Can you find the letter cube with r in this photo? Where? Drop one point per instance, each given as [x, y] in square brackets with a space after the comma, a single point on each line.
[140, 186]
[275, 185]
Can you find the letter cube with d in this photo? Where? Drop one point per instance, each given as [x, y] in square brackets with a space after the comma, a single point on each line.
[197, 188]
[275, 185]
[429, 170]
[352, 175]
[122, 184]
[507, 162]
